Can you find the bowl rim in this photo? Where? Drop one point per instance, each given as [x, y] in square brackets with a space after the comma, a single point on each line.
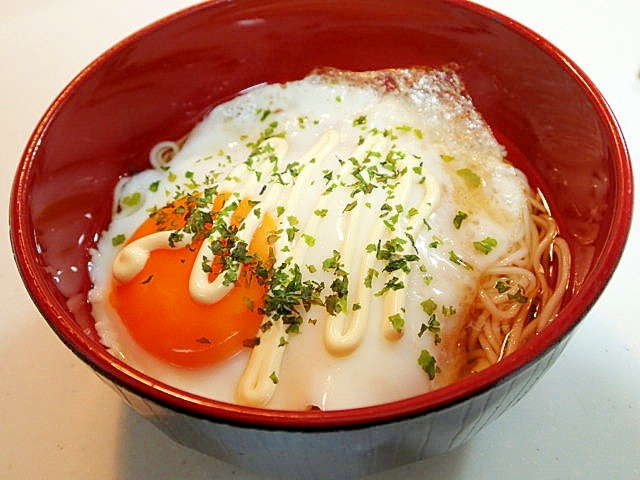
[97, 357]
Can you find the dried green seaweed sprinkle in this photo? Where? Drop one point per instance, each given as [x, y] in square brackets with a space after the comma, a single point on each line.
[470, 177]
[429, 306]
[118, 239]
[485, 246]
[428, 363]
[251, 342]
[455, 258]
[459, 218]
[132, 200]
[397, 322]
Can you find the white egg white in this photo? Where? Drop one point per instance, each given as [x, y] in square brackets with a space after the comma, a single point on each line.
[422, 115]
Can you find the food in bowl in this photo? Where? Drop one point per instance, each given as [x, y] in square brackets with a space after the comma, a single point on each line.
[160, 82]
[344, 240]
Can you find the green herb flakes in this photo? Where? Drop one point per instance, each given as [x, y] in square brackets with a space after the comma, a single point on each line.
[436, 242]
[394, 284]
[350, 206]
[132, 200]
[371, 274]
[251, 342]
[309, 239]
[485, 246]
[518, 296]
[360, 121]
[450, 310]
[459, 218]
[429, 306]
[332, 263]
[455, 258]
[428, 363]
[503, 286]
[470, 177]
[397, 322]
[118, 239]
[432, 326]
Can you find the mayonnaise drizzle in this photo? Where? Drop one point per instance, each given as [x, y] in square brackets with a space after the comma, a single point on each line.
[200, 287]
[256, 386]
[133, 257]
[394, 300]
[345, 330]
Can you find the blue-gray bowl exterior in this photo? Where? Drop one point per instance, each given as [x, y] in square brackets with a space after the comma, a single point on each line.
[344, 453]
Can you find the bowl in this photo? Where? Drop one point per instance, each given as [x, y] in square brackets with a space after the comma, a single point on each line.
[158, 83]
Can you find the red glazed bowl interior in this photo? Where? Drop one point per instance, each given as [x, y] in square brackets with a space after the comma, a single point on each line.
[158, 84]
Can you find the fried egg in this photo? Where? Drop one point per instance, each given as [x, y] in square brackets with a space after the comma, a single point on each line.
[312, 244]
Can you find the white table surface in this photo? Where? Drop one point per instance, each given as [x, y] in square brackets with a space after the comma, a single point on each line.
[58, 421]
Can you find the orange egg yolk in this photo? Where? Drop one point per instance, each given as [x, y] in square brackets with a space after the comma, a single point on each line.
[159, 312]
